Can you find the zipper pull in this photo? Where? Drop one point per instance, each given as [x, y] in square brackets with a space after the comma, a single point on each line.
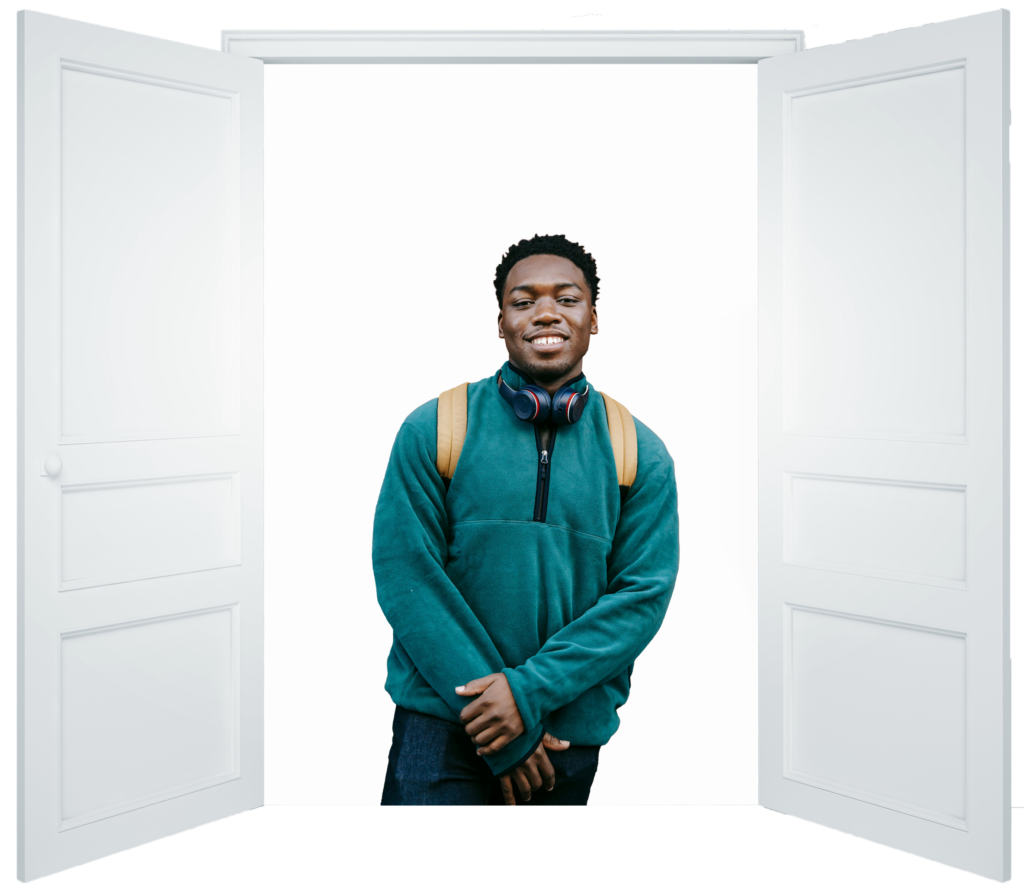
[543, 457]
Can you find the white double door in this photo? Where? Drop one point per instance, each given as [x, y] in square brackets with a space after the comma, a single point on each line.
[883, 439]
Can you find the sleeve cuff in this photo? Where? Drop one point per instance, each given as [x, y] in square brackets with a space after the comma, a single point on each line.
[516, 752]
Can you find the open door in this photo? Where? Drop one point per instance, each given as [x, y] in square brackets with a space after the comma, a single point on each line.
[140, 439]
[884, 439]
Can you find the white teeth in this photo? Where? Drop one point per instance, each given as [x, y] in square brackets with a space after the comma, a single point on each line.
[549, 340]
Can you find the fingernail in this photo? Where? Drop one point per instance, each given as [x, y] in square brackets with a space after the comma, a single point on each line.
[459, 688]
[478, 753]
[564, 741]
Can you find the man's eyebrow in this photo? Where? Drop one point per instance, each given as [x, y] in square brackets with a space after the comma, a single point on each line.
[532, 288]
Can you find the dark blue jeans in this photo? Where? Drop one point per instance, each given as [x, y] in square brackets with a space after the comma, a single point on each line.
[433, 761]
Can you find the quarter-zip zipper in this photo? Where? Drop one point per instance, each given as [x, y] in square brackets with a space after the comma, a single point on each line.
[545, 447]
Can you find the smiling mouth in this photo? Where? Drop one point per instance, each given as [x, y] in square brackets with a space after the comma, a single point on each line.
[547, 340]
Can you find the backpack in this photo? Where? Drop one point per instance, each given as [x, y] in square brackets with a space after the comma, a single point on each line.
[453, 417]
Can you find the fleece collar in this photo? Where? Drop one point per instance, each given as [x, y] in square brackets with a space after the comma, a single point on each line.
[516, 380]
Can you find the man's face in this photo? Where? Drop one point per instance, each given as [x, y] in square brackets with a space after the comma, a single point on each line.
[547, 317]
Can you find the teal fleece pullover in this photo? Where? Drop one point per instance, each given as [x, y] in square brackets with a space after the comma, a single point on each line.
[472, 585]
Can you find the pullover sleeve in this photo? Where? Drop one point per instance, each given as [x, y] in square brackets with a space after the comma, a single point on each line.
[436, 627]
[607, 638]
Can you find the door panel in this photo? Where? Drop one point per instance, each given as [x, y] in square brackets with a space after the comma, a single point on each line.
[115, 531]
[161, 732]
[149, 176]
[876, 348]
[883, 439]
[854, 525]
[875, 711]
[140, 439]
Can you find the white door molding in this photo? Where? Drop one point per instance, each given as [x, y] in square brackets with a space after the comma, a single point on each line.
[524, 47]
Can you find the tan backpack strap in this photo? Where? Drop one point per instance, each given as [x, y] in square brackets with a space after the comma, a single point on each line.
[452, 418]
[623, 434]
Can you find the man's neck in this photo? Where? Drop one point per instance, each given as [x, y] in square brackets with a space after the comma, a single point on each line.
[552, 386]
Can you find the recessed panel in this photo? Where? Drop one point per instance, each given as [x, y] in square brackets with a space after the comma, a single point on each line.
[148, 711]
[132, 530]
[876, 711]
[874, 296]
[149, 322]
[900, 530]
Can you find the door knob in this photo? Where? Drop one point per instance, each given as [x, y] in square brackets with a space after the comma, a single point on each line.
[52, 465]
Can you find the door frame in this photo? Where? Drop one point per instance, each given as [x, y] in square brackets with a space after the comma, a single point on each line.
[510, 47]
[504, 47]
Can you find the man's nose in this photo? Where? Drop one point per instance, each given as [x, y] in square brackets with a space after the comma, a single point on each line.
[546, 311]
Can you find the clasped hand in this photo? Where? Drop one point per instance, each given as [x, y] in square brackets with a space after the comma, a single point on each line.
[492, 720]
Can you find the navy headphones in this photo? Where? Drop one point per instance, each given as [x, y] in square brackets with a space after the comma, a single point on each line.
[533, 404]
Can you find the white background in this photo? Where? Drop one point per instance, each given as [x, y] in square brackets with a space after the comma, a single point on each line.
[392, 192]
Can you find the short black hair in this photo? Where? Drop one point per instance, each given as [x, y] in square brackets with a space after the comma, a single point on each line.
[547, 245]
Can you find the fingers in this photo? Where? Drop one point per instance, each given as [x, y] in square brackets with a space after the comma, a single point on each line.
[486, 734]
[474, 709]
[494, 708]
[519, 775]
[475, 687]
[485, 726]
[547, 771]
[495, 746]
[553, 744]
[478, 705]
[506, 791]
[479, 725]
[532, 772]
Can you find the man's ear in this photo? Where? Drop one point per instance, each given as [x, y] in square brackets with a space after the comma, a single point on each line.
[593, 320]
[501, 331]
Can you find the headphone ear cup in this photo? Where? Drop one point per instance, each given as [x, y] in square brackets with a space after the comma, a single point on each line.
[566, 410]
[532, 404]
[567, 405]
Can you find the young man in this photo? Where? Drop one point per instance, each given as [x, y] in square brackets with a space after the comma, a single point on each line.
[522, 591]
